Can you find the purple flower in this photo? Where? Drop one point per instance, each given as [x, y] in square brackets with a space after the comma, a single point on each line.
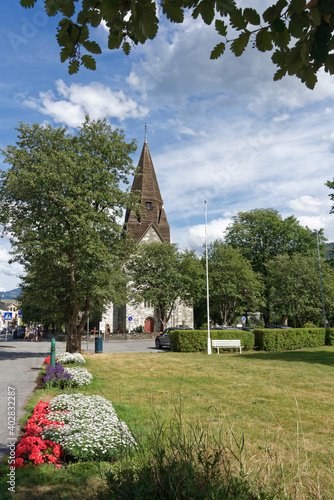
[56, 375]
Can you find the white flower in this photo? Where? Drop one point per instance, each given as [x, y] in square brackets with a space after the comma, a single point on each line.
[67, 357]
[85, 430]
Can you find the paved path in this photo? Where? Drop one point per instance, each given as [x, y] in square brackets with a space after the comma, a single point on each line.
[20, 363]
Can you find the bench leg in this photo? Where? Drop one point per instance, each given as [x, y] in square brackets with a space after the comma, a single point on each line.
[218, 350]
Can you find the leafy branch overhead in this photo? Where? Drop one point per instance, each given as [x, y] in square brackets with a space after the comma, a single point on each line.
[299, 34]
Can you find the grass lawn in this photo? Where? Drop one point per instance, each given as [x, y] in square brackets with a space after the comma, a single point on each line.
[280, 405]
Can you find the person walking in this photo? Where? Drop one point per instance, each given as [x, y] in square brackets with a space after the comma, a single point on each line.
[26, 334]
[36, 333]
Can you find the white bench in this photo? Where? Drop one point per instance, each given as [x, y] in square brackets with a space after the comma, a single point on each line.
[230, 344]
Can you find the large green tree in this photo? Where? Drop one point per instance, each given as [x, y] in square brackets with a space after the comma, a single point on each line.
[262, 234]
[299, 33]
[60, 203]
[294, 284]
[234, 286]
[161, 274]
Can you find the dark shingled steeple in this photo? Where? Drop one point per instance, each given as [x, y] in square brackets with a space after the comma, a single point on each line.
[153, 214]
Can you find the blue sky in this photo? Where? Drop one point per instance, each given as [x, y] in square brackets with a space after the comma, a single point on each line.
[220, 131]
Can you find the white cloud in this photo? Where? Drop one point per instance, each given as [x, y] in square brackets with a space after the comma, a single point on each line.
[72, 102]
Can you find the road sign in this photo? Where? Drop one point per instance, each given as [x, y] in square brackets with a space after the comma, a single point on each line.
[102, 326]
[8, 316]
[243, 319]
[130, 318]
[19, 313]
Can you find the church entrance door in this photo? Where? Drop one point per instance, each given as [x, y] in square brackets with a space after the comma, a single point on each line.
[149, 325]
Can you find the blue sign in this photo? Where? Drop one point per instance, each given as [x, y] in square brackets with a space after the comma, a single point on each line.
[130, 318]
[8, 316]
[19, 313]
[243, 319]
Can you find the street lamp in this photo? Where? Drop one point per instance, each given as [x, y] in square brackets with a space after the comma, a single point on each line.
[315, 233]
[207, 281]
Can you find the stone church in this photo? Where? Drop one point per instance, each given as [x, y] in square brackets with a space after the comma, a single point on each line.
[150, 226]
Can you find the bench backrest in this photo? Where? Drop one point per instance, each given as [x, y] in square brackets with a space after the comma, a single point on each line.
[226, 343]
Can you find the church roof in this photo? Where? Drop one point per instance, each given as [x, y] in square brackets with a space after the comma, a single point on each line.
[152, 211]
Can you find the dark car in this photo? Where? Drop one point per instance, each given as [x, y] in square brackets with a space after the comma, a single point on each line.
[163, 339]
[280, 327]
[19, 332]
[219, 327]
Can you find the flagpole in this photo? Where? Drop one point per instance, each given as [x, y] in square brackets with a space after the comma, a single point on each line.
[207, 280]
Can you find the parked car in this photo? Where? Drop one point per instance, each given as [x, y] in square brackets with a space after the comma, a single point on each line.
[220, 327]
[19, 332]
[163, 340]
[4, 331]
[280, 327]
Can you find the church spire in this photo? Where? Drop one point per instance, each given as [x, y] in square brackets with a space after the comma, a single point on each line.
[152, 211]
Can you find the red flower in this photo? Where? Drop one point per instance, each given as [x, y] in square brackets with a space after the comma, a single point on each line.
[32, 447]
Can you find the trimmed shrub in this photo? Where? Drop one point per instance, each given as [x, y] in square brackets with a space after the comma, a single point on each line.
[329, 336]
[196, 340]
[274, 339]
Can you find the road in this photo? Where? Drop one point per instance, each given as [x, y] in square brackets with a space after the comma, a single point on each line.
[20, 363]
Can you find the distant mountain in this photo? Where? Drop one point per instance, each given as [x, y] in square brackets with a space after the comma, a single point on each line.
[11, 294]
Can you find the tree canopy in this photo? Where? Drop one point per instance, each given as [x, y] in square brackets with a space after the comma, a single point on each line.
[60, 203]
[298, 33]
[294, 283]
[234, 286]
[262, 234]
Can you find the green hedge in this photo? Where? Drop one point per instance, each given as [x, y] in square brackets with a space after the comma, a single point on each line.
[329, 336]
[280, 340]
[196, 340]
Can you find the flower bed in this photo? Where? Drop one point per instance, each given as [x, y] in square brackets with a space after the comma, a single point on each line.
[32, 447]
[80, 376]
[58, 376]
[89, 429]
[66, 358]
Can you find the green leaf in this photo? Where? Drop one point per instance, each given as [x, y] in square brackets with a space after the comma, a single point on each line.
[221, 27]
[73, 67]
[281, 38]
[237, 20]
[206, 9]
[174, 12]
[83, 34]
[126, 48]
[218, 51]
[92, 47]
[320, 46]
[65, 53]
[329, 64]
[316, 15]
[66, 7]
[308, 76]
[238, 46]
[297, 6]
[115, 39]
[27, 4]
[278, 25]
[252, 16]
[147, 19]
[225, 7]
[274, 11]
[263, 40]
[297, 24]
[51, 7]
[88, 61]
[279, 74]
